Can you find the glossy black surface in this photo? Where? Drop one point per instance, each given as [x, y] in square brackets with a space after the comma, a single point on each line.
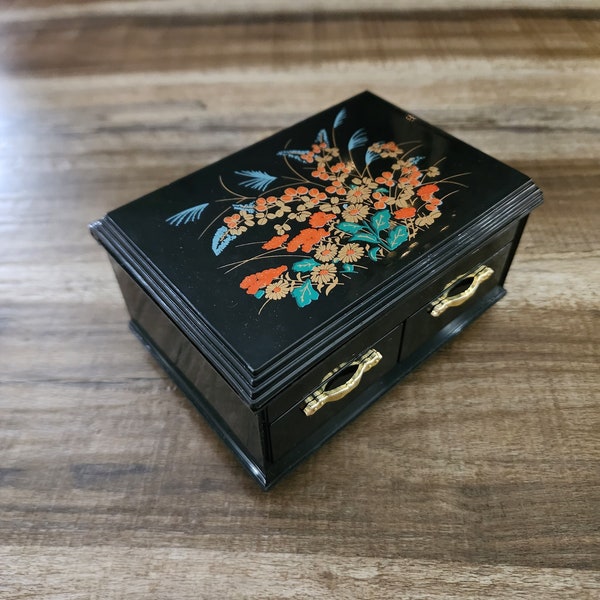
[248, 347]
[241, 428]
[247, 328]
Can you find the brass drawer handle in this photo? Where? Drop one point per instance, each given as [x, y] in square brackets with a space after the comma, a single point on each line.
[322, 396]
[446, 301]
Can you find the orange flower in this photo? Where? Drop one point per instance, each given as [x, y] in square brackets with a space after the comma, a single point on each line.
[290, 193]
[432, 204]
[405, 213]
[381, 200]
[271, 200]
[308, 157]
[320, 173]
[336, 187]
[261, 204]
[276, 242]
[338, 167]
[306, 239]
[232, 221]
[386, 179]
[426, 192]
[319, 219]
[316, 196]
[256, 281]
[411, 175]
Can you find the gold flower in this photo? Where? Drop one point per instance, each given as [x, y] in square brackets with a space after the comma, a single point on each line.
[280, 229]
[300, 216]
[364, 182]
[401, 164]
[432, 172]
[332, 205]
[350, 253]
[323, 273]
[428, 219]
[325, 252]
[360, 192]
[354, 213]
[277, 290]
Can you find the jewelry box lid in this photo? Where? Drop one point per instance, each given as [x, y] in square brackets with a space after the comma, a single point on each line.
[282, 249]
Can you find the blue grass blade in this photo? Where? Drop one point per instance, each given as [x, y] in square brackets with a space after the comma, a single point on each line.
[341, 117]
[295, 154]
[322, 137]
[186, 216]
[249, 208]
[257, 180]
[359, 138]
[371, 156]
[221, 240]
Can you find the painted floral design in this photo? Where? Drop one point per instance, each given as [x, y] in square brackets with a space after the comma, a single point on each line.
[334, 214]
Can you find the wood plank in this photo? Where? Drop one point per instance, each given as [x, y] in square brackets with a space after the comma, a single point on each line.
[477, 476]
[221, 574]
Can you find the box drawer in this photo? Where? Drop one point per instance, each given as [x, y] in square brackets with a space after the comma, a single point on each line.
[452, 297]
[352, 381]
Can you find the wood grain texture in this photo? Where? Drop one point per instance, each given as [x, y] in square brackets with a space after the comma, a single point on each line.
[478, 476]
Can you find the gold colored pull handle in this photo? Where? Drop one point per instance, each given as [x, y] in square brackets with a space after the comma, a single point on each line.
[322, 396]
[446, 301]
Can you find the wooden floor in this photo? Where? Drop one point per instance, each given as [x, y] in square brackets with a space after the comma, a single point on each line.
[478, 476]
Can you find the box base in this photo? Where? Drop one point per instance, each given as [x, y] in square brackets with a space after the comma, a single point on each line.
[267, 477]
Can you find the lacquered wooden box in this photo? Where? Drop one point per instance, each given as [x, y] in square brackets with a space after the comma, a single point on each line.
[288, 286]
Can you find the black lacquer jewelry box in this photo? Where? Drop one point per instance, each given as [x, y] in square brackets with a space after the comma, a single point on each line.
[288, 286]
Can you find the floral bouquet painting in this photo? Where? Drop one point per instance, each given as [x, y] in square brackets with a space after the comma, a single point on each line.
[334, 213]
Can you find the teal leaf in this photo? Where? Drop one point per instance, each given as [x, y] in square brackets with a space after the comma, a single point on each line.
[221, 240]
[348, 227]
[415, 160]
[348, 268]
[373, 253]
[397, 236]
[304, 266]
[381, 220]
[322, 137]
[341, 117]
[259, 294]
[305, 294]
[186, 216]
[365, 236]
[359, 138]
[257, 180]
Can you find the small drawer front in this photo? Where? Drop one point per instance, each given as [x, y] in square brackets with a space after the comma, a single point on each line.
[452, 299]
[351, 381]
